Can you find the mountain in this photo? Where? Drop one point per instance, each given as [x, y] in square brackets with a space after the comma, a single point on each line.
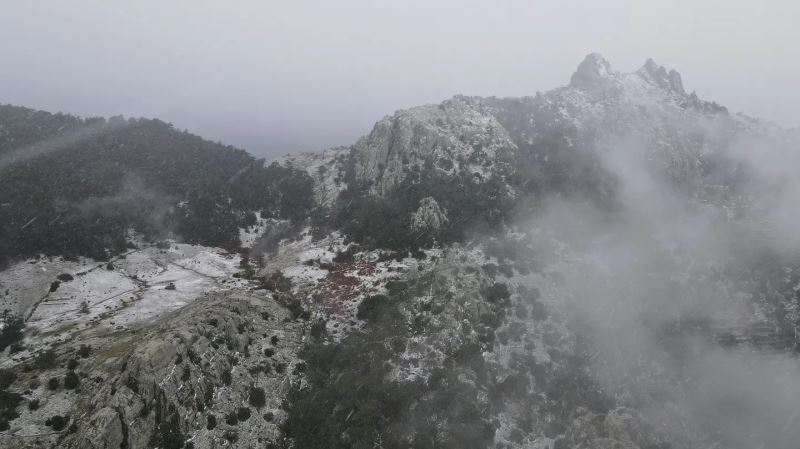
[611, 263]
[479, 158]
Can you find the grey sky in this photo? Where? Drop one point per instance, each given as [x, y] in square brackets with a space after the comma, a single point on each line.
[274, 77]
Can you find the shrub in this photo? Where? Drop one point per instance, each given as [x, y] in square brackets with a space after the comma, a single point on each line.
[11, 331]
[168, 435]
[211, 422]
[318, 329]
[300, 367]
[57, 422]
[8, 405]
[498, 293]
[231, 419]
[54, 286]
[295, 307]
[372, 307]
[396, 287]
[231, 436]
[243, 413]
[65, 277]
[226, 377]
[258, 397]
[7, 377]
[72, 364]
[276, 282]
[84, 351]
[33, 404]
[249, 218]
[53, 383]
[345, 256]
[45, 360]
[71, 380]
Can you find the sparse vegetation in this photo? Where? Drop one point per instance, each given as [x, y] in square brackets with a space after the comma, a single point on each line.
[351, 401]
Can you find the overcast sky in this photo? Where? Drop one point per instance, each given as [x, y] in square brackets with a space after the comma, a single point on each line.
[275, 77]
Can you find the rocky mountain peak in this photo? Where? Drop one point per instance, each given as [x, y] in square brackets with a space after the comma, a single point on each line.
[659, 76]
[593, 72]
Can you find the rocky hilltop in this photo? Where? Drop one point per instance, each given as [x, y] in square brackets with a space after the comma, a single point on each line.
[491, 137]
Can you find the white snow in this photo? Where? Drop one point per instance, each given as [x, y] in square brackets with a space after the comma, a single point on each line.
[134, 291]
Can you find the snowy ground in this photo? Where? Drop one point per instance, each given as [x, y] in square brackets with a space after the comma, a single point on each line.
[249, 236]
[333, 290]
[135, 287]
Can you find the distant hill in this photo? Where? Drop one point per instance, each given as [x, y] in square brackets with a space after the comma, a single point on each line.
[74, 186]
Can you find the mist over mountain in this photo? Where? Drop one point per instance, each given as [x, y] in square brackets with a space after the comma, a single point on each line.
[611, 263]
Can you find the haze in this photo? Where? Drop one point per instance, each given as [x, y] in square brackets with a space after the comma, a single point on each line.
[277, 77]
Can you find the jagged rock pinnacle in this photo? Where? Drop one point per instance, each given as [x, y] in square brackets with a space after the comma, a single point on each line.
[594, 71]
[659, 76]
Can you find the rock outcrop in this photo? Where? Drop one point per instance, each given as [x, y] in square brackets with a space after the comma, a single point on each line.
[429, 216]
[162, 384]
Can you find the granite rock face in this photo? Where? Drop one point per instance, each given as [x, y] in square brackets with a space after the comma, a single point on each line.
[455, 135]
[162, 384]
[429, 216]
